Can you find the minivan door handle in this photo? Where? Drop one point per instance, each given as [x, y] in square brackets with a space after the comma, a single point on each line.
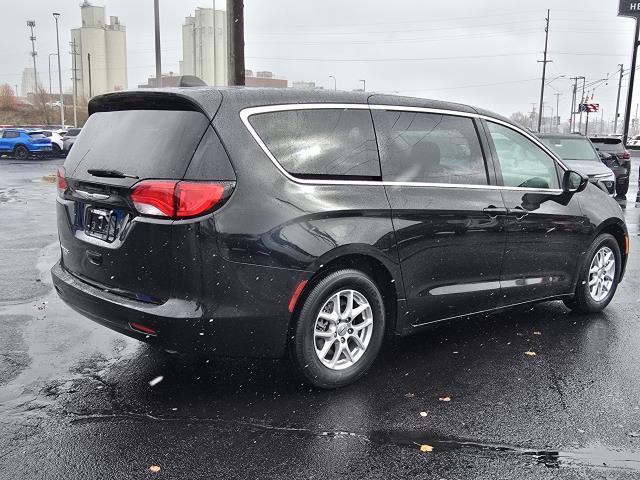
[518, 212]
[494, 211]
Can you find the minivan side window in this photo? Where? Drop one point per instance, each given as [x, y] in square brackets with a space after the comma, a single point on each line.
[429, 148]
[11, 134]
[321, 143]
[522, 162]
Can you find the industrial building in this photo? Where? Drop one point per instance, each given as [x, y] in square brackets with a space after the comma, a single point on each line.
[100, 59]
[204, 46]
[28, 84]
[263, 79]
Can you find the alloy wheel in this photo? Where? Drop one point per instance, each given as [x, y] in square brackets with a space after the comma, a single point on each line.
[601, 274]
[343, 329]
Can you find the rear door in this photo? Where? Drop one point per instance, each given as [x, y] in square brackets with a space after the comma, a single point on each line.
[104, 241]
[448, 215]
[545, 228]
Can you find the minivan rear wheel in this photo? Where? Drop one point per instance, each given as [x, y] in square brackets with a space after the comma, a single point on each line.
[598, 279]
[339, 329]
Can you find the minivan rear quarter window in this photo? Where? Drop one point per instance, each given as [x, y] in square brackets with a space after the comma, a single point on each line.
[321, 143]
[429, 148]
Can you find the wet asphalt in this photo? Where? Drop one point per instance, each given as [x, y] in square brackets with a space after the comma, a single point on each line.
[76, 402]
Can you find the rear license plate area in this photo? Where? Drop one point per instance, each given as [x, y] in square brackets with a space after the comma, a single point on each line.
[101, 223]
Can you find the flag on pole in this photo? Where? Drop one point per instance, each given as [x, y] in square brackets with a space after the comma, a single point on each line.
[589, 107]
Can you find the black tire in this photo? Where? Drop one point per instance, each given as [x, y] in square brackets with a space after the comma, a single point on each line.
[583, 301]
[21, 152]
[622, 188]
[302, 346]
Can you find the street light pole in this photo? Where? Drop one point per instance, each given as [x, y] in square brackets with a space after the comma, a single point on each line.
[335, 83]
[364, 85]
[55, 16]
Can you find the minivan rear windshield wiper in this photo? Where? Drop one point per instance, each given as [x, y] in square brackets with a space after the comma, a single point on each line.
[97, 172]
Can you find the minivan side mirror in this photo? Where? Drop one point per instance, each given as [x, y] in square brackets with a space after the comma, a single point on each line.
[574, 182]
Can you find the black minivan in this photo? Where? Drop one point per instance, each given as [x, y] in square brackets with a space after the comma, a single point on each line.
[266, 222]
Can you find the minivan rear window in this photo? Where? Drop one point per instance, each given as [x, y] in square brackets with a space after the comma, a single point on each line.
[141, 143]
[321, 143]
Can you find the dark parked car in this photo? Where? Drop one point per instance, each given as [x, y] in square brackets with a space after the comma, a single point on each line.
[578, 153]
[69, 139]
[613, 152]
[255, 222]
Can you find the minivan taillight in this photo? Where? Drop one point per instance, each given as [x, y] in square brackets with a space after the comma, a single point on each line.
[61, 182]
[626, 156]
[176, 199]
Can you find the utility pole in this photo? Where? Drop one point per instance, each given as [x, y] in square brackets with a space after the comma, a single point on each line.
[582, 101]
[156, 17]
[632, 77]
[557, 110]
[55, 16]
[74, 79]
[544, 68]
[50, 92]
[89, 70]
[615, 119]
[235, 41]
[573, 104]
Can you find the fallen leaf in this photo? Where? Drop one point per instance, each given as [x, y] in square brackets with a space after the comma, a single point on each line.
[426, 448]
[156, 381]
[537, 333]
[154, 468]
[409, 395]
[445, 399]
[531, 354]
[423, 414]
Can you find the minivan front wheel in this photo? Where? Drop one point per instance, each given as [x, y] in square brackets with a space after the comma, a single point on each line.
[339, 330]
[598, 279]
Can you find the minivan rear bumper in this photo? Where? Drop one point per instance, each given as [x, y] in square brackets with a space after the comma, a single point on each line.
[183, 325]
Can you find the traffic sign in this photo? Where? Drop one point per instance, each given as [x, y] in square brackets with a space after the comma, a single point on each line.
[629, 8]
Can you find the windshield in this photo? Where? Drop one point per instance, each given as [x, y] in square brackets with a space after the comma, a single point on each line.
[571, 148]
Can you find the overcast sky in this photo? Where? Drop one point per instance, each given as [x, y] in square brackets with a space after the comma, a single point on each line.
[481, 52]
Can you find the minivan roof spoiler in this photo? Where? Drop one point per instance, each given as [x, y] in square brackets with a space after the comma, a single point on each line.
[197, 99]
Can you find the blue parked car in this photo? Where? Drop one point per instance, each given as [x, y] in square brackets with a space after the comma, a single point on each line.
[22, 143]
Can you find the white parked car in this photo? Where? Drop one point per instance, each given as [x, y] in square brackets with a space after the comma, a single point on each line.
[634, 141]
[56, 141]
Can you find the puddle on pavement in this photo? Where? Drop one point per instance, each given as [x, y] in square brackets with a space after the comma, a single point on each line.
[591, 456]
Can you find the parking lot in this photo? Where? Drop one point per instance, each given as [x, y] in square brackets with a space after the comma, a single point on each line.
[76, 402]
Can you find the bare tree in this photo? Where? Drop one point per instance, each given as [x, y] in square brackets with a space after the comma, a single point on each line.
[7, 98]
